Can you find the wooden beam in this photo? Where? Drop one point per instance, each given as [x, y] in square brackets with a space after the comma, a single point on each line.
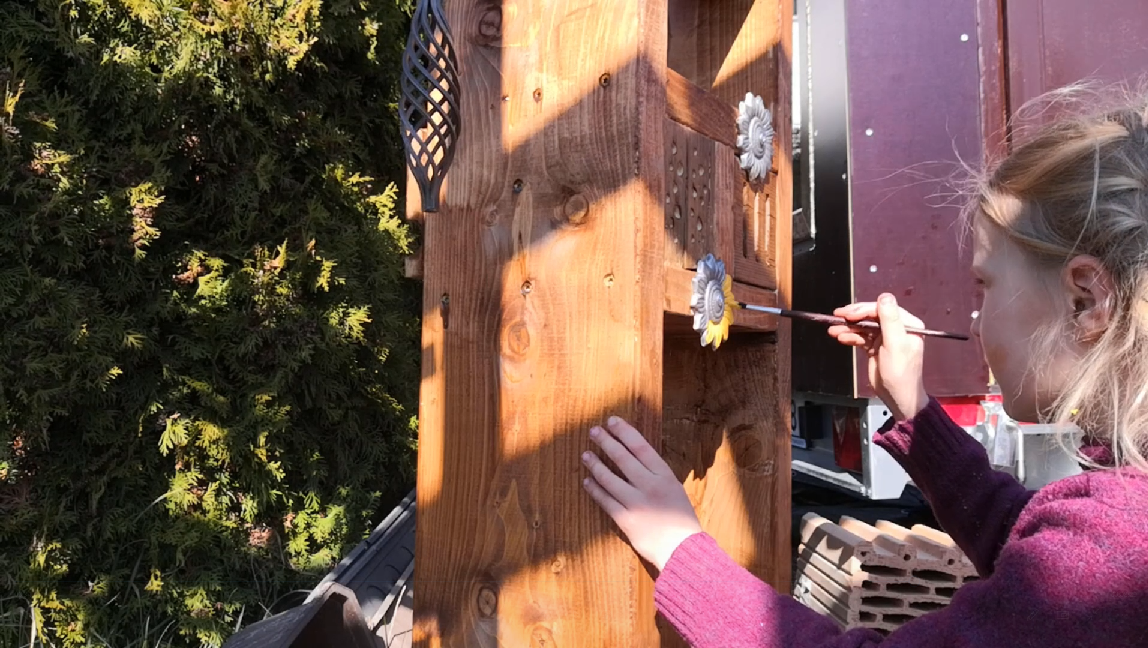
[723, 438]
[542, 316]
[700, 110]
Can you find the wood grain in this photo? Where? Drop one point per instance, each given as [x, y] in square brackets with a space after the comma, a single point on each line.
[727, 411]
[722, 437]
[691, 202]
[723, 50]
[542, 316]
[700, 110]
[677, 302]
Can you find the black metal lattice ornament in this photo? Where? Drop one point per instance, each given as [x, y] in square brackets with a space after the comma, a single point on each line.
[428, 110]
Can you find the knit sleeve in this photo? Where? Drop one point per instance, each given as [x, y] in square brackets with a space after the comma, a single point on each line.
[1056, 585]
[973, 503]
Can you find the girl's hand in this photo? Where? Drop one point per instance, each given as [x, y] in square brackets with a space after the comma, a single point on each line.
[649, 505]
[896, 358]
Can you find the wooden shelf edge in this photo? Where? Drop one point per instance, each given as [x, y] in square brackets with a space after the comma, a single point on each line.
[679, 282]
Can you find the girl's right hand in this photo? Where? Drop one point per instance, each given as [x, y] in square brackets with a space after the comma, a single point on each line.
[896, 357]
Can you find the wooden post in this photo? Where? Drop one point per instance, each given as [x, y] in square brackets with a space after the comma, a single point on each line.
[555, 296]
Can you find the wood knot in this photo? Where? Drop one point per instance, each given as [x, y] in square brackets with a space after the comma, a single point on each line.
[489, 30]
[487, 602]
[575, 209]
[748, 450]
[518, 338]
[542, 637]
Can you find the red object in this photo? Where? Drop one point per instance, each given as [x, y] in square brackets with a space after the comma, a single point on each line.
[847, 438]
[965, 411]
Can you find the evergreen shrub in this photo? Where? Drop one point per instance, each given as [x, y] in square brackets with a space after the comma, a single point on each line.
[208, 354]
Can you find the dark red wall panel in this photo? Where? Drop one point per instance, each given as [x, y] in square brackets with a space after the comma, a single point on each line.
[1054, 43]
[915, 109]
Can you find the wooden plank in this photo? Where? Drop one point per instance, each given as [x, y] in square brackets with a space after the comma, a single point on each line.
[700, 110]
[701, 177]
[678, 142]
[677, 300]
[539, 321]
[728, 177]
[722, 437]
[782, 449]
[900, 167]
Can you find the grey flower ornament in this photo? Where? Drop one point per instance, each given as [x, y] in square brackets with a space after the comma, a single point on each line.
[754, 137]
[712, 301]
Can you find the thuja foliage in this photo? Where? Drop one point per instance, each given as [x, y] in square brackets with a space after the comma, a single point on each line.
[208, 355]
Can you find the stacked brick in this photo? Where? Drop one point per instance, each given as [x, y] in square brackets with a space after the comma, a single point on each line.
[878, 577]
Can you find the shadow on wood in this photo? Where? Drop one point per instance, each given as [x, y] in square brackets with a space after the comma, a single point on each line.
[544, 296]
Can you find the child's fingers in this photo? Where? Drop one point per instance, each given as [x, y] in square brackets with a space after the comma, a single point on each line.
[858, 311]
[611, 506]
[613, 484]
[638, 445]
[848, 336]
[892, 324]
[619, 454]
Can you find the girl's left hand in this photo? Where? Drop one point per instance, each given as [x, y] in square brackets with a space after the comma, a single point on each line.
[649, 505]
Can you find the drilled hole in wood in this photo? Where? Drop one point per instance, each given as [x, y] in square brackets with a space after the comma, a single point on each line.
[518, 184]
[604, 80]
[538, 94]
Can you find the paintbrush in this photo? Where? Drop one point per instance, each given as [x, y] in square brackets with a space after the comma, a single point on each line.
[833, 320]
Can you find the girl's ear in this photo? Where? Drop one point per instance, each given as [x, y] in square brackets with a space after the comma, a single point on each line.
[1092, 294]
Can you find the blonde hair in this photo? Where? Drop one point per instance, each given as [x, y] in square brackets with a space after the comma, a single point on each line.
[1080, 187]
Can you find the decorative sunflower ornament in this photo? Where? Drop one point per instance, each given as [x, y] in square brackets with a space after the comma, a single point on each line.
[712, 301]
[754, 137]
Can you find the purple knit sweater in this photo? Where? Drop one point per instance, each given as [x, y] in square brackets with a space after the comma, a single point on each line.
[1065, 566]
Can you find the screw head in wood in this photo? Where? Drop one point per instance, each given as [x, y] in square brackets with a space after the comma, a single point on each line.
[604, 80]
[517, 186]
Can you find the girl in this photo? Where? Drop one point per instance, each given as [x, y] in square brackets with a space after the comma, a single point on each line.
[1061, 249]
